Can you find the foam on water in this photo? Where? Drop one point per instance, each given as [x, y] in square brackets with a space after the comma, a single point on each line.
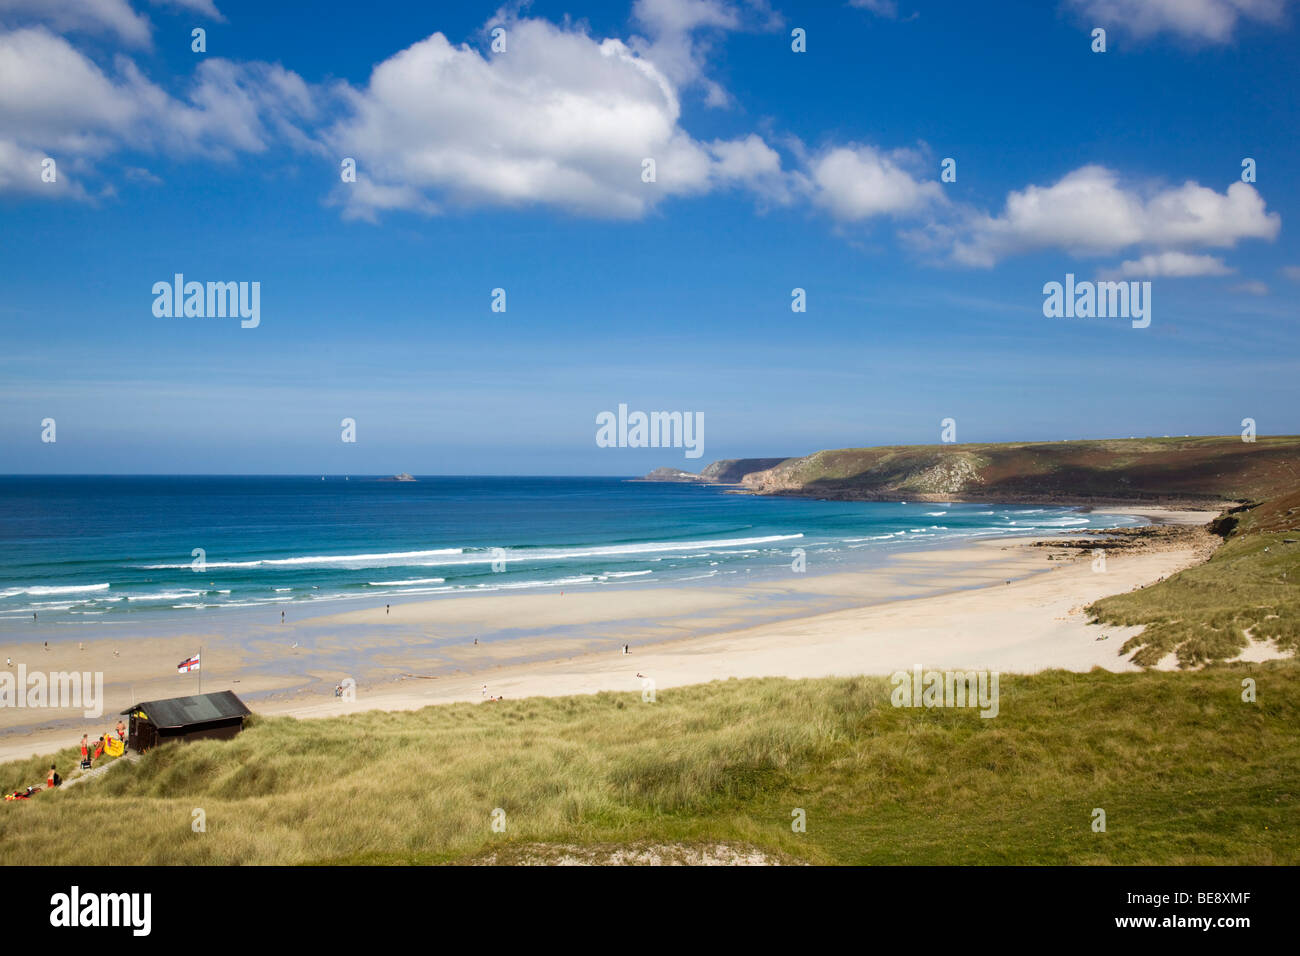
[294, 541]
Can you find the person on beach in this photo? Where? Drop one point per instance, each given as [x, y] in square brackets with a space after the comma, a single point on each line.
[85, 749]
[121, 731]
[53, 780]
[387, 608]
[281, 617]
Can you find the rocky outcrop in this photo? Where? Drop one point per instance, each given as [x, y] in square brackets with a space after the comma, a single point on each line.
[732, 471]
[672, 474]
[728, 471]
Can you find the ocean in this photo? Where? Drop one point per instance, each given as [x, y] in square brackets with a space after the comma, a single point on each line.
[117, 550]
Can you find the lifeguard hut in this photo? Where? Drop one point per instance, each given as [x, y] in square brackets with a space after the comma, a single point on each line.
[203, 716]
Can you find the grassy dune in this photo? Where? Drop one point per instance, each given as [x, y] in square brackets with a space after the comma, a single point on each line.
[1186, 771]
[1249, 589]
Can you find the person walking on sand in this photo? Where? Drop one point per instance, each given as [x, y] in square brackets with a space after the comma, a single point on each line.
[387, 608]
[484, 692]
[281, 617]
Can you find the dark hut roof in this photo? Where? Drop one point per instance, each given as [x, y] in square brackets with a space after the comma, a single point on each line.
[182, 711]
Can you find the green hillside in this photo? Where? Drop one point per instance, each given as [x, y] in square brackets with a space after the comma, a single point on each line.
[1154, 470]
[1185, 770]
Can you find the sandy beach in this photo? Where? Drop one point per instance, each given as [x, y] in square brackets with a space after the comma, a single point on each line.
[1004, 605]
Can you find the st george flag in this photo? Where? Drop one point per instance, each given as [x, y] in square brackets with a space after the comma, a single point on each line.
[187, 665]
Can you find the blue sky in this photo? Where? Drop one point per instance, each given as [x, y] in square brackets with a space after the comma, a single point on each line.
[521, 170]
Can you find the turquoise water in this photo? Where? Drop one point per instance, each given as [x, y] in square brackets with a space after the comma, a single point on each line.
[121, 550]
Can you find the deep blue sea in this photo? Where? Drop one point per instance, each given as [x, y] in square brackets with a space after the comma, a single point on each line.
[114, 549]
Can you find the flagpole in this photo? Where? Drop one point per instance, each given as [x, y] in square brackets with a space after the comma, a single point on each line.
[200, 669]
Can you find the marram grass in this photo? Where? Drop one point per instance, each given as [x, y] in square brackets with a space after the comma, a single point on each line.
[1248, 590]
[1186, 771]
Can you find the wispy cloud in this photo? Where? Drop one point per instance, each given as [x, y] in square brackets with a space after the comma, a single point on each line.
[113, 18]
[1169, 265]
[1209, 21]
[56, 101]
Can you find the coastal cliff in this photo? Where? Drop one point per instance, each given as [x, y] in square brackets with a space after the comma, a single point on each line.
[1194, 470]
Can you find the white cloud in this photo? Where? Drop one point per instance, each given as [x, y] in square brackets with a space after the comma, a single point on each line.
[1291, 272]
[682, 16]
[240, 107]
[57, 101]
[681, 34]
[1251, 287]
[205, 7]
[857, 182]
[881, 8]
[1170, 265]
[1212, 21]
[751, 163]
[1088, 212]
[20, 172]
[561, 119]
[112, 17]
